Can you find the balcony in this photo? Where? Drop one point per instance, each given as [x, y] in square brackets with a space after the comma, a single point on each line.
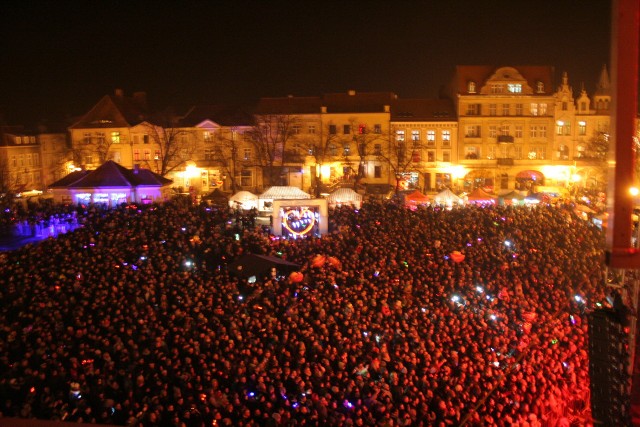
[505, 139]
[505, 161]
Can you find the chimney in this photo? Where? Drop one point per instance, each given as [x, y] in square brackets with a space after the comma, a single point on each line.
[119, 93]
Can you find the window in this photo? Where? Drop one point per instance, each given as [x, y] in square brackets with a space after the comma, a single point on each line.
[538, 153]
[491, 152]
[539, 87]
[504, 130]
[145, 139]
[473, 131]
[87, 138]
[563, 128]
[377, 128]
[346, 149]
[147, 155]
[471, 87]
[399, 135]
[36, 159]
[88, 159]
[346, 129]
[514, 87]
[473, 110]
[415, 135]
[446, 138]
[565, 106]
[517, 152]
[446, 156]
[582, 127]
[115, 137]
[377, 171]
[14, 161]
[29, 160]
[472, 153]
[492, 109]
[156, 155]
[136, 154]
[497, 88]
[542, 109]
[311, 129]
[246, 153]
[431, 137]
[431, 156]
[100, 138]
[534, 109]
[333, 130]
[518, 109]
[506, 109]
[333, 150]
[518, 132]
[207, 136]
[493, 131]
[362, 129]
[21, 160]
[116, 156]
[377, 149]
[533, 131]
[246, 178]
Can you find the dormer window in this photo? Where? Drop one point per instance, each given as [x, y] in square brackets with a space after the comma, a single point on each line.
[514, 88]
[539, 87]
[471, 87]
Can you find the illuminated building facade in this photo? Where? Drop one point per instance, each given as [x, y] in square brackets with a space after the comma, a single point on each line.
[496, 128]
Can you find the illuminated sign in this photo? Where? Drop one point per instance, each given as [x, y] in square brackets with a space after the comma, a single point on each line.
[299, 221]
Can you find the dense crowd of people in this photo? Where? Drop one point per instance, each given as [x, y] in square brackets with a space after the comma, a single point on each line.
[470, 316]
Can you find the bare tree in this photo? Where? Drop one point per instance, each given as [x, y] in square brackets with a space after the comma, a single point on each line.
[270, 136]
[320, 147]
[174, 145]
[402, 157]
[226, 154]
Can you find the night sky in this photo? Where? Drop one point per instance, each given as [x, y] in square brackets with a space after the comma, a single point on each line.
[60, 57]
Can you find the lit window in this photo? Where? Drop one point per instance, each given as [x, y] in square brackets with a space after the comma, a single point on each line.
[493, 131]
[87, 138]
[540, 87]
[534, 109]
[399, 135]
[514, 87]
[136, 155]
[156, 155]
[471, 87]
[415, 135]
[147, 155]
[247, 154]
[115, 137]
[582, 127]
[542, 109]
[446, 138]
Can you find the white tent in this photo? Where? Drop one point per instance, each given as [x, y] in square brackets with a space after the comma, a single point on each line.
[447, 197]
[265, 200]
[345, 196]
[244, 199]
